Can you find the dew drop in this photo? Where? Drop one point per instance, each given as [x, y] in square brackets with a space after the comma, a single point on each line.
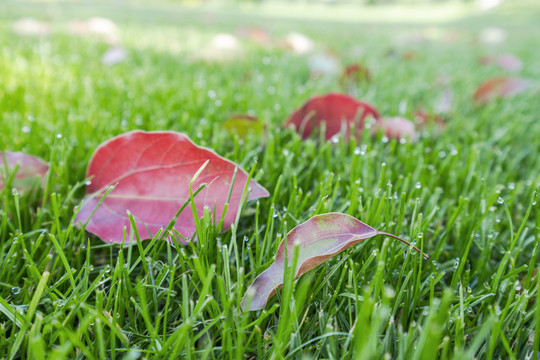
[384, 139]
[500, 200]
[26, 129]
[59, 136]
[335, 139]
[15, 291]
[418, 185]
[88, 182]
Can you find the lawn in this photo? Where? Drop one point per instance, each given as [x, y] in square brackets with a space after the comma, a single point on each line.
[465, 194]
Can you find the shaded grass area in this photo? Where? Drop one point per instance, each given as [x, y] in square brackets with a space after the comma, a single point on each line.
[466, 196]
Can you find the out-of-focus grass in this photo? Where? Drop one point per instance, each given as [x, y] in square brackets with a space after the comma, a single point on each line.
[467, 195]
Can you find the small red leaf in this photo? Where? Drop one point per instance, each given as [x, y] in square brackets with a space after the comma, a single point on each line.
[396, 127]
[355, 74]
[318, 240]
[499, 88]
[152, 173]
[505, 61]
[333, 109]
[423, 118]
[30, 168]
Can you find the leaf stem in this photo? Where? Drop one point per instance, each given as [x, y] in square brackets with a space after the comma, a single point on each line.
[426, 256]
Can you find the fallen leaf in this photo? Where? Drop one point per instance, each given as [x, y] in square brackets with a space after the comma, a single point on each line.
[500, 87]
[256, 34]
[424, 118]
[492, 35]
[298, 43]
[318, 240]
[31, 27]
[353, 75]
[151, 174]
[396, 127]
[100, 27]
[335, 110]
[443, 103]
[242, 125]
[323, 63]
[114, 55]
[486, 5]
[222, 47]
[29, 169]
[505, 61]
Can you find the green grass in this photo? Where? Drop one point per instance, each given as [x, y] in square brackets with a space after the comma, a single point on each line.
[466, 196]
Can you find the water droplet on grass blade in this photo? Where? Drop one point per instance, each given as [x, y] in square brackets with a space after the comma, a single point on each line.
[15, 291]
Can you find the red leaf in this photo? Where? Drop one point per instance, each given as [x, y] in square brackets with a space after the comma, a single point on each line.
[318, 239]
[353, 75]
[505, 61]
[500, 87]
[30, 168]
[333, 109]
[396, 127]
[152, 172]
[424, 118]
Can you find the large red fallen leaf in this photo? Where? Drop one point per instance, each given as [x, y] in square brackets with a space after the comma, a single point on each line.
[333, 109]
[152, 172]
[500, 87]
[319, 239]
[30, 168]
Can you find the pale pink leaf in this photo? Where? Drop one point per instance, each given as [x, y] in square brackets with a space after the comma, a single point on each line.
[506, 61]
[29, 169]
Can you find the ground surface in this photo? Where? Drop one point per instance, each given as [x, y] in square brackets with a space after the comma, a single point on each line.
[466, 195]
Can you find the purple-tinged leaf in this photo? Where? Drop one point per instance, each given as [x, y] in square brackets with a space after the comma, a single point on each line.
[505, 61]
[318, 240]
[500, 87]
[29, 168]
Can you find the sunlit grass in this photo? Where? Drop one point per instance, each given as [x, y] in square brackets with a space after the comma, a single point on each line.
[466, 196]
